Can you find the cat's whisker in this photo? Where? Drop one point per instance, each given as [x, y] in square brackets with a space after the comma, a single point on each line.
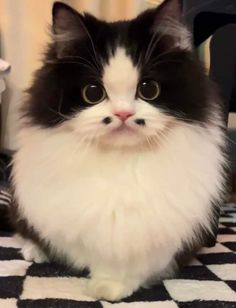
[189, 122]
[60, 105]
[95, 71]
[74, 62]
[63, 116]
[153, 43]
[159, 139]
[168, 52]
[89, 141]
[156, 37]
[91, 41]
[98, 64]
[230, 140]
[164, 61]
[150, 143]
[140, 59]
[162, 135]
[147, 55]
[84, 142]
[83, 59]
[95, 140]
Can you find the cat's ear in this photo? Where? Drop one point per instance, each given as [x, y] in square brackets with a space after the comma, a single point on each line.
[67, 26]
[171, 9]
[168, 21]
[66, 20]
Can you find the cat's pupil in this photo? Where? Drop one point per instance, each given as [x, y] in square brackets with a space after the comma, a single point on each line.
[148, 90]
[93, 93]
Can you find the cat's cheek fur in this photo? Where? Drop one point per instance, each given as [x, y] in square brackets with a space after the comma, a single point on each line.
[125, 216]
[89, 128]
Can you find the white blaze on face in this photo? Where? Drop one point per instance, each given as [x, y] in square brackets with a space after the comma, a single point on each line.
[120, 81]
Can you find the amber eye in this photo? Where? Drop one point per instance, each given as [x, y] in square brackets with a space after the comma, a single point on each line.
[93, 93]
[148, 90]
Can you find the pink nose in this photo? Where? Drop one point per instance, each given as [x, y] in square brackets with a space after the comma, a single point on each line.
[124, 115]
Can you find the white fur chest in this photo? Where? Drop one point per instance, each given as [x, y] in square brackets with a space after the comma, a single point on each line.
[117, 205]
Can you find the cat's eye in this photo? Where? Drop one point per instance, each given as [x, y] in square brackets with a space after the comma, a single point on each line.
[93, 93]
[148, 90]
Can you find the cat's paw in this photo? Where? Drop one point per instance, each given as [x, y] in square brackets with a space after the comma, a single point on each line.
[111, 290]
[31, 252]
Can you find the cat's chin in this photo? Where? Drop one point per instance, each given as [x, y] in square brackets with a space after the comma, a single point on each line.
[122, 136]
[125, 139]
[123, 130]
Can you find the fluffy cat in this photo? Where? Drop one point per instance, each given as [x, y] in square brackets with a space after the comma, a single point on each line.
[120, 166]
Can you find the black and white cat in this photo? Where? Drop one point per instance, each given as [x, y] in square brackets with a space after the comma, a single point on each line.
[120, 166]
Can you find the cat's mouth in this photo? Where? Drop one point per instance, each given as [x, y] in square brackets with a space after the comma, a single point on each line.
[123, 135]
[123, 129]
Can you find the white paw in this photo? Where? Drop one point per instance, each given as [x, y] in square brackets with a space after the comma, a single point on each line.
[110, 290]
[31, 252]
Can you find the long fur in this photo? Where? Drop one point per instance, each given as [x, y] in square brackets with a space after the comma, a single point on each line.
[124, 203]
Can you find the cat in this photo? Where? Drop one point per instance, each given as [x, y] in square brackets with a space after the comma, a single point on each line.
[120, 166]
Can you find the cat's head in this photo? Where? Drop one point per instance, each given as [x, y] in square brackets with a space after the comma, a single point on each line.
[119, 84]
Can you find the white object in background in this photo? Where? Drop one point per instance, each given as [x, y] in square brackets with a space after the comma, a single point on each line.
[2, 87]
[4, 68]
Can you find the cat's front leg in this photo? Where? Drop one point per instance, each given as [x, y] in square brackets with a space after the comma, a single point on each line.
[31, 251]
[111, 286]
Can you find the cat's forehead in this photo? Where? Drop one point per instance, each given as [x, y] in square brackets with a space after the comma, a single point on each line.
[120, 74]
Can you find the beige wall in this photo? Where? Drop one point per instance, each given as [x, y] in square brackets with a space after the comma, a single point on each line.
[232, 120]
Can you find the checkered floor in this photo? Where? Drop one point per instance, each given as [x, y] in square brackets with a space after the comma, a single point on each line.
[210, 280]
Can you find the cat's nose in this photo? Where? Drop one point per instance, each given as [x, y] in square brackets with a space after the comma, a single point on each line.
[123, 115]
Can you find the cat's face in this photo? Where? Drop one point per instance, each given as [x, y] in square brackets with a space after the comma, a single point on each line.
[120, 110]
[119, 84]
